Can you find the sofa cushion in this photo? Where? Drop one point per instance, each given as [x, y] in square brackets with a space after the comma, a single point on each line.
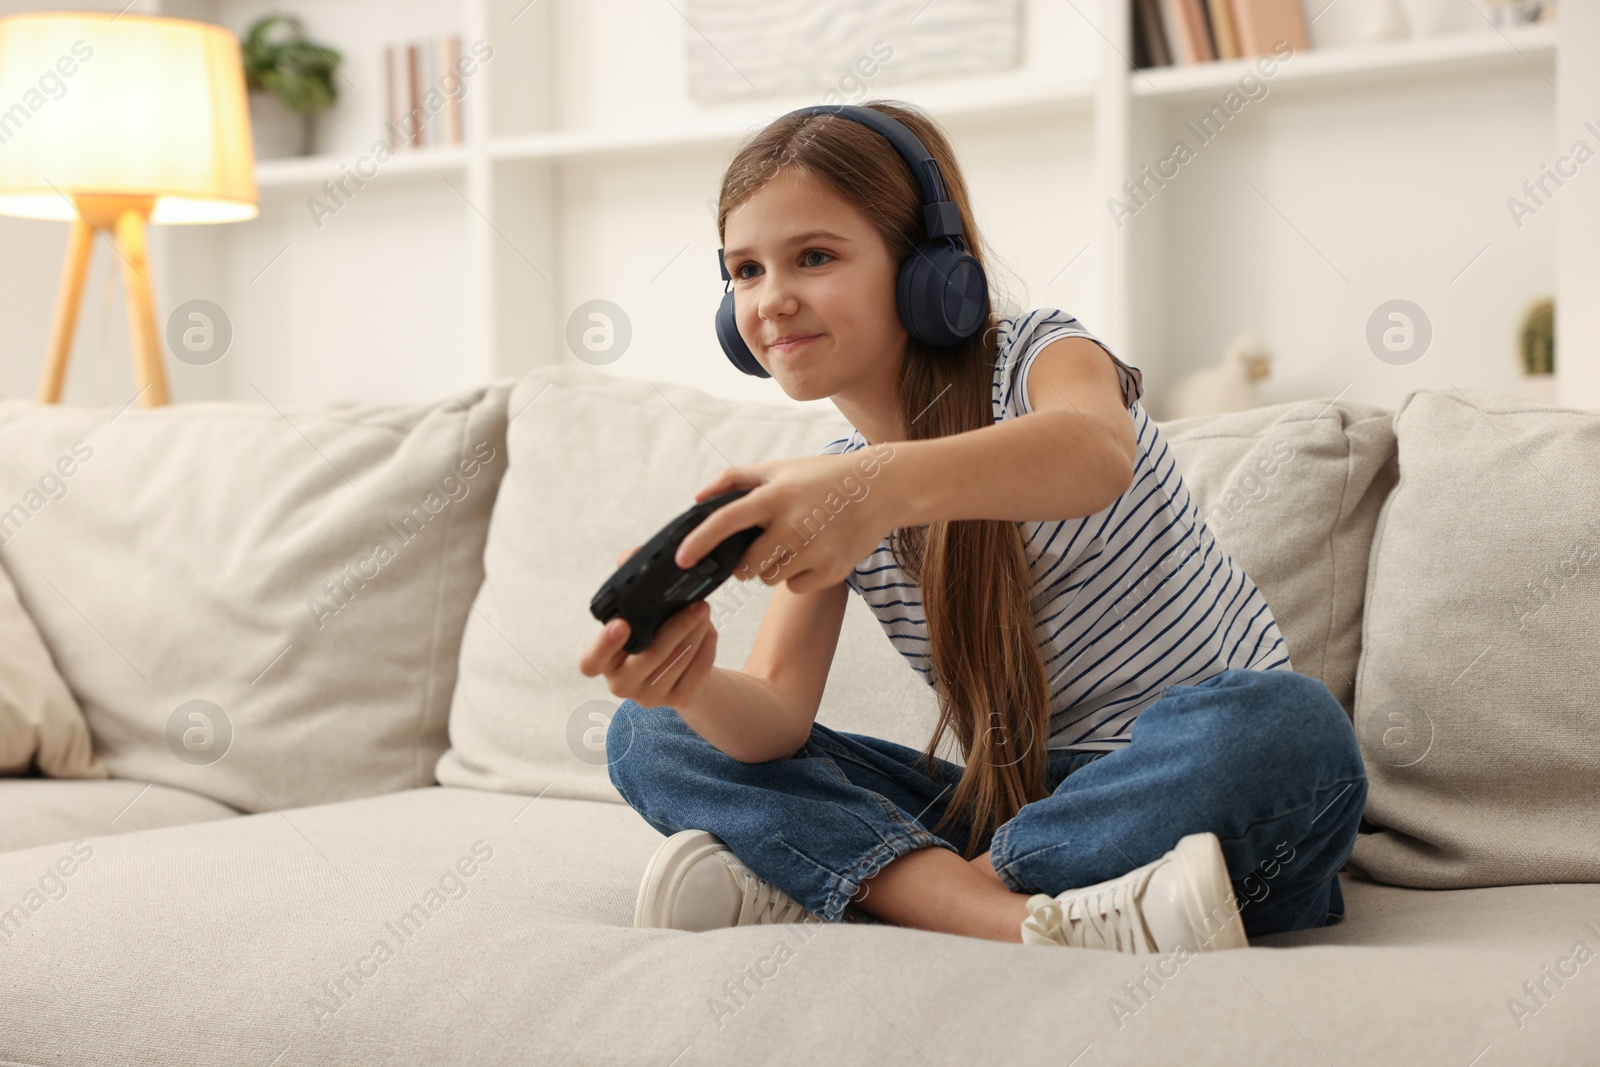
[1475, 700]
[447, 926]
[41, 725]
[258, 606]
[1291, 492]
[598, 464]
[38, 811]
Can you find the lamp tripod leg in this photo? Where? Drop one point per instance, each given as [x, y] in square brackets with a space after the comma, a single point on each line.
[150, 374]
[80, 242]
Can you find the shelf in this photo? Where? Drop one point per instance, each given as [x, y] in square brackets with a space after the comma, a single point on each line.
[1037, 98]
[1421, 57]
[302, 171]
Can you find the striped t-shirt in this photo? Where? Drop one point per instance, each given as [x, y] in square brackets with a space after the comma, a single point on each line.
[1127, 602]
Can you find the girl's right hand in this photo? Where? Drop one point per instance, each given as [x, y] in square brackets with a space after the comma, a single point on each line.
[670, 671]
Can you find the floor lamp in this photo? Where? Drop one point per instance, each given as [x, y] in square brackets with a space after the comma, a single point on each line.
[123, 121]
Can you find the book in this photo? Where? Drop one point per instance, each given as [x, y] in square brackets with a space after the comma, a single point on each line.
[413, 94]
[391, 96]
[1198, 27]
[1149, 32]
[452, 88]
[1223, 35]
[1260, 24]
[1210, 34]
[1186, 31]
[1141, 47]
[432, 121]
[423, 87]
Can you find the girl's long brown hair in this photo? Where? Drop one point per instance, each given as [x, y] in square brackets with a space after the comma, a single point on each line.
[974, 574]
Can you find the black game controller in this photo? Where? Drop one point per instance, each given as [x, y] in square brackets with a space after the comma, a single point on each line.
[649, 588]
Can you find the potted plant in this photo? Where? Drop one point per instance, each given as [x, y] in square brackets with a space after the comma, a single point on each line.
[1536, 343]
[289, 79]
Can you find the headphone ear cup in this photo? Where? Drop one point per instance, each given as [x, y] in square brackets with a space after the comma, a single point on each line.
[941, 294]
[733, 345]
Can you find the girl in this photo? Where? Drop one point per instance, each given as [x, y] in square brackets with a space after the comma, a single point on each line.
[1143, 767]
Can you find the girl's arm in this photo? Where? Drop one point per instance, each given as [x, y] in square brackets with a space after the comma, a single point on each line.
[765, 710]
[1070, 457]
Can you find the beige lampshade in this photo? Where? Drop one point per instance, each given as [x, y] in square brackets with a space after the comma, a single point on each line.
[134, 105]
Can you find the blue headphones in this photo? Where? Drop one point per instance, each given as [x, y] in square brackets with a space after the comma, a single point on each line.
[941, 293]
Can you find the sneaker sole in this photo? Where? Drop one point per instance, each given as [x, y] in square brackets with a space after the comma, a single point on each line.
[1205, 875]
[664, 874]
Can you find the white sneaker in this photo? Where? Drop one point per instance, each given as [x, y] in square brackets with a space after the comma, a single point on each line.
[695, 882]
[1185, 896]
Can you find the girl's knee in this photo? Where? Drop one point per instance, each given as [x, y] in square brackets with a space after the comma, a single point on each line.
[1311, 726]
[619, 742]
[1281, 730]
[633, 735]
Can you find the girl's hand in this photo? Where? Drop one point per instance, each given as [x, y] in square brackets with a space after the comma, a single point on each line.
[670, 671]
[820, 519]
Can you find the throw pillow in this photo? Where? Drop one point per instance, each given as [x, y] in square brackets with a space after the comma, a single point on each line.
[1292, 491]
[41, 724]
[1475, 698]
[260, 606]
[599, 463]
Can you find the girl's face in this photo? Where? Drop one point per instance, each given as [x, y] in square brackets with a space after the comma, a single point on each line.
[813, 288]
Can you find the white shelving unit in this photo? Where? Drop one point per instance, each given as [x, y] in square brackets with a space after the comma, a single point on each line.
[1365, 173]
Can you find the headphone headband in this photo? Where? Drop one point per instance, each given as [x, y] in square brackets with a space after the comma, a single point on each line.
[924, 168]
[940, 217]
[941, 293]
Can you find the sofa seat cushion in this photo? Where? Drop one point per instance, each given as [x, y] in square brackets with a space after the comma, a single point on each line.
[505, 930]
[40, 811]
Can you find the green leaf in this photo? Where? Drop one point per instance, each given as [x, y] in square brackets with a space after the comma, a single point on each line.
[280, 59]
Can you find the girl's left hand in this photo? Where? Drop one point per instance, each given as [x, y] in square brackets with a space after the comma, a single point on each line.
[820, 519]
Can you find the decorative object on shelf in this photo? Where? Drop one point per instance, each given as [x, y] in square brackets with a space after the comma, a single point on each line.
[1381, 20]
[737, 49]
[290, 79]
[1536, 345]
[424, 84]
[1503, 14]
[159, 133]
[1228, 386]
[1354, 23]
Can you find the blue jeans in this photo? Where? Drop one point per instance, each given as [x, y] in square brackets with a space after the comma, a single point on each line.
[1266, 760]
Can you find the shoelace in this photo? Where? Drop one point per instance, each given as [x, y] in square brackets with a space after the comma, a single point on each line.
[1110, 914]
[763, 901]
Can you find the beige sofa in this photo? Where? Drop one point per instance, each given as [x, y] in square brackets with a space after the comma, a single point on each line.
[347, 798]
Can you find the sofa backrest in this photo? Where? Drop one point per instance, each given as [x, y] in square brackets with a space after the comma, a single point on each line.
[276, 609]
[259, 606]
